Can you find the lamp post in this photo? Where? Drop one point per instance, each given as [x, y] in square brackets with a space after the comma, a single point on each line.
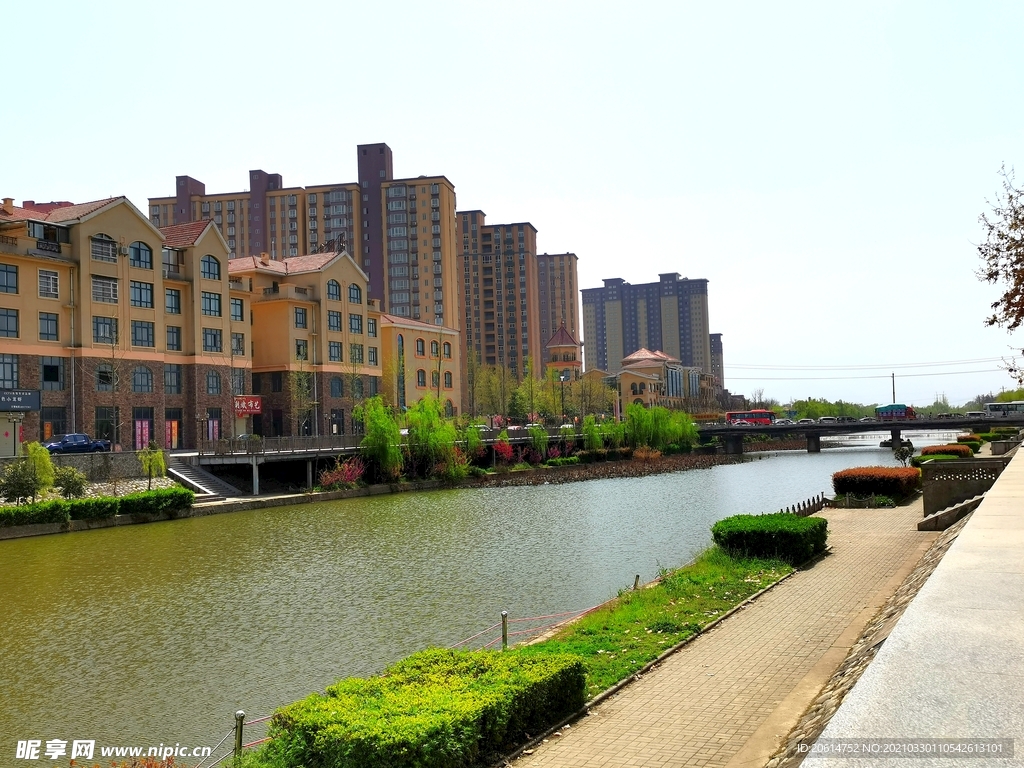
[563, 377]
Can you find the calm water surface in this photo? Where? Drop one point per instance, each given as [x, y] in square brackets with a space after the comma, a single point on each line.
[157, 633]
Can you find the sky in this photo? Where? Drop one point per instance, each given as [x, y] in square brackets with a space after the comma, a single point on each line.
[822, 165]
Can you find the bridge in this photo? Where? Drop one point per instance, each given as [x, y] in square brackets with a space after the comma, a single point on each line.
[732, 437]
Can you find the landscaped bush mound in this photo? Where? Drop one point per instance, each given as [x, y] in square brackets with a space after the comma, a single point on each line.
[435, 708]
[897, 482]
[954, 449]
[917, 461]
[159, 500]
[784, 535]
[972, 438]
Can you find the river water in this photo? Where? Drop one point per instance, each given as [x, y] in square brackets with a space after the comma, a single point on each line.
[157, 633]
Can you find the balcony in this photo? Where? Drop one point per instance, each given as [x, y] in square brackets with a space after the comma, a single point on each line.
[286, 292]
[8, 240]
[236, 284]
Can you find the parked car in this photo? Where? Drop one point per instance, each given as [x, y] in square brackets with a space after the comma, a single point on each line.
[742, 423]
[75, 443]
[869, 418]
[783, 422]
[827, 420]
[805, 421]
[846, 419]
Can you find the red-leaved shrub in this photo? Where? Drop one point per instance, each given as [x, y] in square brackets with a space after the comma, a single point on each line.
[963, 451]
[503, 452]
[343, 475]
[896, 482]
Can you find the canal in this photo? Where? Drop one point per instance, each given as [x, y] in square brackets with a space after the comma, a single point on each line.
[157, 633]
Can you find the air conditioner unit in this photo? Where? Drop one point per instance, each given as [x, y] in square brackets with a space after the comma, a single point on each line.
[166, 272]
[123, 250]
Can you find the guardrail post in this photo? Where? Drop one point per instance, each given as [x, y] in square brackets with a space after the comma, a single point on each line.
[239, 717]
[504, 630]
[636, 582]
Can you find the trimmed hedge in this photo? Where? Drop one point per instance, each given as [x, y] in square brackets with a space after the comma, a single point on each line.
[917, 461]
[159, 500]
[783, 535]
[972, 438]
[953, 449]
[897, 482]
[435, 709]
[562, 461]
[57, 511]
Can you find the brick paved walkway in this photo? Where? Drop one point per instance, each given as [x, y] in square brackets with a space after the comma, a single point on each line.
[733, 693]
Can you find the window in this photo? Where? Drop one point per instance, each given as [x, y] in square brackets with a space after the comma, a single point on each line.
[238, 381]
[48, 284]
[421, 378]
[212, 383]
[141, 294]
[52, 372]
[357, 389]
[104, 330]
[174, 338]
[103, 248]
[172, 301]
[337, 387]
[447, 379]
[140, 255]
[301, 349]
[333, 290]
[434, 348]
[371, 327]
[237, 309]
[300, 317]
[334, 351]
[212, 341]
[53, 421]
[421, 347]
[355, 323]
[9, 323]
[333, 320]
[238, 344]
[210, 267]
[8, 371]
[276, 381]
[172, 379]
[211, 304]
[8, 278]
[48, 330]
[355, 294]
[142, 379]
[257, 384]
[371, 355]
[355, 353]
[104, 289]
[107, 427]
[143, 334]
[448, 350]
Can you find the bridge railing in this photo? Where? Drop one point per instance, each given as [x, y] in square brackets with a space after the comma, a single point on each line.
[253, 446]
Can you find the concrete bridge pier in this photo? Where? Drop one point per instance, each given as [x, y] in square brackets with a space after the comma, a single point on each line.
[896, 438]
[255, 477]
[734, 444]
[309, 474]
[813, 442]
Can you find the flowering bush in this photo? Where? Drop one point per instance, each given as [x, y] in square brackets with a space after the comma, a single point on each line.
[343, 475]
[503, 452]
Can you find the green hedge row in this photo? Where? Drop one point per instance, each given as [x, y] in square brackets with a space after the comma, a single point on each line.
[897, 482]
[437, 708]
[605, 454]
[783, 535]
[963, 450]
[563, 461]
[159, 500]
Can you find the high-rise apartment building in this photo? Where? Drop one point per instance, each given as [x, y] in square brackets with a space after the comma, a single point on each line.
[670, 315]
[499, 282]
[400, 232]
[717, 361]
[557, 294]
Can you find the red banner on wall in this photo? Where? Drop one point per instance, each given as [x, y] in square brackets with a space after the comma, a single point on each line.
[246, 405]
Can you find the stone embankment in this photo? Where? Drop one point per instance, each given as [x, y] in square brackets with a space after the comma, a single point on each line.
[600, 470]
[824, 706]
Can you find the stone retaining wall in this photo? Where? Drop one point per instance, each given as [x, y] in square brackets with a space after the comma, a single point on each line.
[98, 467]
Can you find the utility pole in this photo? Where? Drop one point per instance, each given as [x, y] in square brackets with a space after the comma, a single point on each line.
[894, 387]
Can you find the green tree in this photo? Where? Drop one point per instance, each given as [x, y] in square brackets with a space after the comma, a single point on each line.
[591, 434]
[381, 443]
[153, 464]
[431, 438]
[41, 462]
[70, 481]
[20, 481]
[539, 440]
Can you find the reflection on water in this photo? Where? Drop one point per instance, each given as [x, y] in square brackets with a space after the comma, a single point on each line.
[157, 633]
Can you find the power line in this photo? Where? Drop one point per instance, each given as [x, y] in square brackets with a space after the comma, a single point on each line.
[887, 367]
[847, 378]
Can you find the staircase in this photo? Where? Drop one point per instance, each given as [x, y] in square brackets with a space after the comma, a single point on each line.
[206, 486]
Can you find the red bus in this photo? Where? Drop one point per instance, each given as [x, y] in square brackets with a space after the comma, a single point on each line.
[757, 416]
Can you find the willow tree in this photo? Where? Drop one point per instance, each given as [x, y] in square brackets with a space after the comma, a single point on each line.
[380, 445]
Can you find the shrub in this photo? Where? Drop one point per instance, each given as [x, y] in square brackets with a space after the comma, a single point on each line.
[503, 452]
[539, 441]
[93, 509]
[70, 481]
[971, 438]
[896, 482]
[20, 481]
[435, 708]
[563, 461]
[343, 474]
[783, 535]
[56, 511]
[554, 452]
[646, 455]
[40, 459]
[158, 501]
[954, 449]
[153, 463]
[974, 446]
[591, 435]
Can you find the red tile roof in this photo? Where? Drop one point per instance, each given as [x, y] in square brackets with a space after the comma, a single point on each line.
[385, 319]
[72, 212]
[562, 338]
[644, 355]
[184, 235]
[21, 214]
[293, 265]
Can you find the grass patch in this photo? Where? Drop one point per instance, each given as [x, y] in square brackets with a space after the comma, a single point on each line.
[620, 638]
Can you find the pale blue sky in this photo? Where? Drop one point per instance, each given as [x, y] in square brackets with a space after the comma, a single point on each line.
[823, 166]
